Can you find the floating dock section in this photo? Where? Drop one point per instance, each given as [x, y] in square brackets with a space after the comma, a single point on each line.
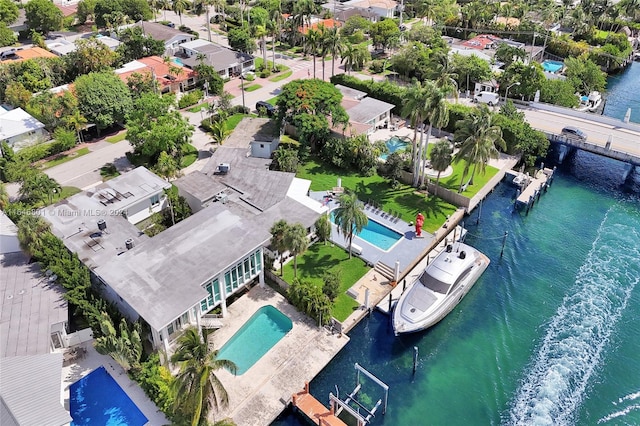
[537, 185]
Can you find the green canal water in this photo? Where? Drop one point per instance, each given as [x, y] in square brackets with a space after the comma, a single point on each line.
[550, 334]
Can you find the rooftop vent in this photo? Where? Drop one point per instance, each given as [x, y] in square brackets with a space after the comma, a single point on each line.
[102, 225]
[223, 168]
[129, 243]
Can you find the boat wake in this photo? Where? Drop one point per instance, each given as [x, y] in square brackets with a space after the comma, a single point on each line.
[579, 332]
[623, 412]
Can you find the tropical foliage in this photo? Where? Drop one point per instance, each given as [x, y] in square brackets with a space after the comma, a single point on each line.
[196, 388]
[125, 347]
[350, 217]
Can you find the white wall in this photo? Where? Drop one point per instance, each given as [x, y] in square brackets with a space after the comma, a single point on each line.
[140, 211]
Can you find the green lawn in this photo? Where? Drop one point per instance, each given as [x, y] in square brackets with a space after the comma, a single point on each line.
[281, 76]
[479, 180]
[189, 155]
[320, 258]
[252, 88]
[233, 121]
[66, 192]
[403, 199]
[65, 157]
[116, 138]
[273, 100]
[197, 108]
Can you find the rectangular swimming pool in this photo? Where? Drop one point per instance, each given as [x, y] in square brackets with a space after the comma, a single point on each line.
[377, 234]
[97, 399]
[257, 336]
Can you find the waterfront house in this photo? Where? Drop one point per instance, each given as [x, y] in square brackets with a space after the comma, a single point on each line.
[227, 62]
[172, 280]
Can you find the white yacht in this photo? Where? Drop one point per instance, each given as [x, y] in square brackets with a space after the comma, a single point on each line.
[439, 289]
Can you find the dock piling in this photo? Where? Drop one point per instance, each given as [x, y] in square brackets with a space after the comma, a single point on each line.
[415, 359]
[504, 240]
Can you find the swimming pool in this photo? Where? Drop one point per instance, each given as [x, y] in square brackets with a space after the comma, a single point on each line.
[395, 144]
[377, 234]
[552, 66]
[177, 61]
[264, 329]
[97, 399]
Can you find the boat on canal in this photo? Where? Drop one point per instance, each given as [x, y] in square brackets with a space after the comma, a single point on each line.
[439, 289]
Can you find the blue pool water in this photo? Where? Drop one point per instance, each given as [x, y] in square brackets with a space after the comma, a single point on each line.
[97, 399]
[264, 329]
[394, 144]
[378, 235]
[552, 66]
[177, 61]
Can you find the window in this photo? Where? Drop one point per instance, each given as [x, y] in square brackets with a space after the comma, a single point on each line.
[155, 200]
[247, 270]
[227, 282]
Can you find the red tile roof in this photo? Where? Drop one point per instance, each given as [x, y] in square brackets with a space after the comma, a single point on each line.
[327, 23]
[156, 65]
[481, 42]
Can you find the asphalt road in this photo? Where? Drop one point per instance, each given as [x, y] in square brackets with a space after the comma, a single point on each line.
[597, 133]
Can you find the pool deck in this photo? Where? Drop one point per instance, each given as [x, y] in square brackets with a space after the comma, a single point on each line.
[259, 395]
[92, 360]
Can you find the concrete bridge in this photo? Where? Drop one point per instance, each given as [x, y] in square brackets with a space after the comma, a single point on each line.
[606, 136]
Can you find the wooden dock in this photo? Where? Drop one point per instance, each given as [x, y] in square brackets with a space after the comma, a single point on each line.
[304, 402]
[534, 189]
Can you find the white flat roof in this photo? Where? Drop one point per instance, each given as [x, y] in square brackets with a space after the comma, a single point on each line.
[17, 122]
[298, 191]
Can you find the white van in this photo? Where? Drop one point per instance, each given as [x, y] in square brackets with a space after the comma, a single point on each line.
[489, 98]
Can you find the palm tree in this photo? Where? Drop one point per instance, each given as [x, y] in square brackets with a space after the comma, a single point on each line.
[200, 6]
[350, 217]
[219, 131]
[77, 121]
[333, 44]
[436, 104]
[441, 158]
[479, 137]
[297, 243]
[349, 55]
[125, 348]
[31, 229]
[416, 109]
[179, 6]
[164, 5]
[260, 31]
[154, 5]
[196, 387]
[279, 232]
[311, 44]
[323, 228]
[275, 27]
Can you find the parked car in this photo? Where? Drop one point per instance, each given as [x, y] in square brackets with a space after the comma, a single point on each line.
[271, 110]
[489, 98]
[571, 132]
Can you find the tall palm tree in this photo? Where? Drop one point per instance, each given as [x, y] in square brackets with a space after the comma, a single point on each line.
[441, 158]
[219, 131]
[415, 108]
[350, 217]
[480, 139]
[260, 31]
[438, 115]
[297, 243]
[311, 44]
[196, 387]
[31, 228]
[164, 5]
[333, 43]
[179, 6]
[200, 6]
[279, 232]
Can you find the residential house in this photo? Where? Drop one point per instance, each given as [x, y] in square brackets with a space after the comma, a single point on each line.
[227, 62]
[317, 23]
[34, 313]
[366, 114]
[17, 54]
[172, 280]
[33, 324]
[341, 12]
[370, 9]
[62, 47]
[171, 77]
[19, 129]
[171, 37]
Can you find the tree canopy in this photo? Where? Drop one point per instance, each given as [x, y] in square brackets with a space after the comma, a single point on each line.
[135, 45]
[8, 11]
[103, 98]
[43, 16]
[91, 55]
[585, 75]
[240, 39]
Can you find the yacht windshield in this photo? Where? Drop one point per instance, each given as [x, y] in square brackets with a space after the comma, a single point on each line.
[433, 284]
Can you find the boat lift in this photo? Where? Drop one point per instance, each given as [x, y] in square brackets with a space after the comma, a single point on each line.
[362, 420]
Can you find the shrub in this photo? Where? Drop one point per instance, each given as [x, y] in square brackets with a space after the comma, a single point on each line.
[265, 73]
[239, 109]
[385, 91]
[376, 66]
[155, 380]
[190, 98]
